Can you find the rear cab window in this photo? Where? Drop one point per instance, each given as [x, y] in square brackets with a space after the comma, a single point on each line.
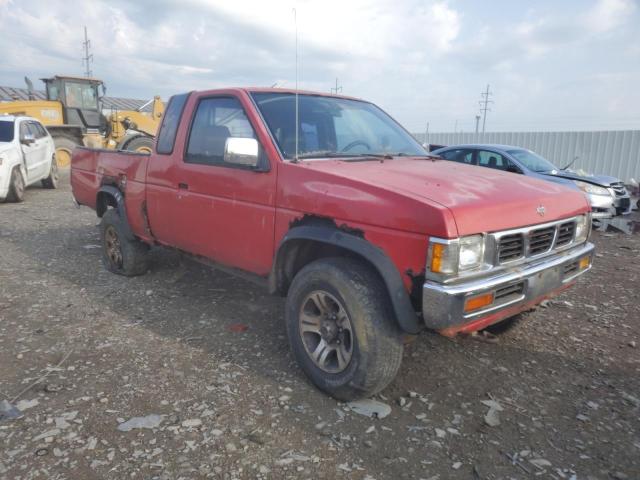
[170, 123]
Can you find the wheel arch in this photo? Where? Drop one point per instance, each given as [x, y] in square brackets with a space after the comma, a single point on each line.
[314, 240]
[111, 196]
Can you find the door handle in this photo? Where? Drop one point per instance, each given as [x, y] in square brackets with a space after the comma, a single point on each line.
[183, 186]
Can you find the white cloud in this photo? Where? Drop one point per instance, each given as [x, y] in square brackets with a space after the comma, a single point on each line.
[422, 60]
[607, 15]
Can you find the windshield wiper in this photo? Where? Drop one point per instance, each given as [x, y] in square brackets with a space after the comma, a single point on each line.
[360, 156]
[324, 154]
[332, 154]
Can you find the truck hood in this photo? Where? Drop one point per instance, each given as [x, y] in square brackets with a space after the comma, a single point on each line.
[479, 199]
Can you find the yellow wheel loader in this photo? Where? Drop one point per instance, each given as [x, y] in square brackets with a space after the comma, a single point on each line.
[73, 115]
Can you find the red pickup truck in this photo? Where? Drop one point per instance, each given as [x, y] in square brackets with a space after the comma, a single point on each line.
[334, 205]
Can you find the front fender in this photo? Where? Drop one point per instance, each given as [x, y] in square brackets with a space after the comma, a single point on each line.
[405, 313]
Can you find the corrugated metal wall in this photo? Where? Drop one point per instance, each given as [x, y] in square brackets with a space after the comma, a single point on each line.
[615, 153]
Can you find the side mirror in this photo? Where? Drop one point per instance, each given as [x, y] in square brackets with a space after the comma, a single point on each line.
[241, 151]
[513, 169]
[27, 139]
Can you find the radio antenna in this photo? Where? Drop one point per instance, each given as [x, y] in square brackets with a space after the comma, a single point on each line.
[295, 20]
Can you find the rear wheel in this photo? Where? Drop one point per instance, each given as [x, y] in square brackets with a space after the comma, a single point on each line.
[16, 186]
[64, 149]
[341, 328]
[52, 180]
[121, 254]
[140, 144]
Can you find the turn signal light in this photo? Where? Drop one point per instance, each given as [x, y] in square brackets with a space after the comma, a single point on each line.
[478, 302]
[436, 257]
[584, 263]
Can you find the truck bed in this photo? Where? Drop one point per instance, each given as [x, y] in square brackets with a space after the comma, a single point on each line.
[91, 168]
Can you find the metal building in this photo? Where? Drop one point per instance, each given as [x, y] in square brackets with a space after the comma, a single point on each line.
[615, 153]
[8, 94]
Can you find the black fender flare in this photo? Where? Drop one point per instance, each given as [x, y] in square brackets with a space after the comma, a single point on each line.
[118, 199]
[405, 313]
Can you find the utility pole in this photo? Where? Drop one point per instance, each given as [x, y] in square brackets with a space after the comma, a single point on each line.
[87, 60]
[426, 136]
[477, 123]
[484, 106]
[337, 89]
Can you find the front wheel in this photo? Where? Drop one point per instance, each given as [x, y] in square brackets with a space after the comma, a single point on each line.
[341, 328]
[52, 180]
[64, 148]
[121, 254]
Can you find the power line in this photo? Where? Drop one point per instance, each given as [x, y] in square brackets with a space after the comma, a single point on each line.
[87, 60]
[484, 106]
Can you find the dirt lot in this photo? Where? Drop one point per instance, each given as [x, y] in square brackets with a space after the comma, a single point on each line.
[206, 354]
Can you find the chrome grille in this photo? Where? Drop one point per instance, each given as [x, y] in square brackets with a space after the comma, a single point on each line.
[511, 247]
[535, 240]
[565, 233]
[541, 240]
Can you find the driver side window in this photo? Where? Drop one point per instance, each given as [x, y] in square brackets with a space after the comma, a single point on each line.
[492, 160]
[216, 120]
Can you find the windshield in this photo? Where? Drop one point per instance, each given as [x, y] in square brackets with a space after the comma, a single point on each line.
[533, 161]
[330, 127]
[81, 95]
[6, 131]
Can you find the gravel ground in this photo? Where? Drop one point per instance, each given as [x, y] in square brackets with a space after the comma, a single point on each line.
[203, 358]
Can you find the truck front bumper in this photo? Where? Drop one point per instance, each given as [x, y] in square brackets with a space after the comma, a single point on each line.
[445, 307]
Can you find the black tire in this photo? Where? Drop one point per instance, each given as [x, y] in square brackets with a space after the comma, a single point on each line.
[64, 148]
[139, 144]
[52, 180]
[16, 186]
[377, 345]
[120, 253]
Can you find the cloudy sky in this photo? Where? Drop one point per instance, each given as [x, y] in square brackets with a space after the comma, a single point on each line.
[569, 65]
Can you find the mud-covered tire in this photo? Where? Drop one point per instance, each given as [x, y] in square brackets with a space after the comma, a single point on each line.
[140, 144]
[52, 180]
[16, 186]
[377, 340]
[121, 253]
[64, 148]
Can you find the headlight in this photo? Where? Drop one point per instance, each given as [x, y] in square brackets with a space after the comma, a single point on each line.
[450, 257]
[471, 252]
[583, 228]
[591, 188]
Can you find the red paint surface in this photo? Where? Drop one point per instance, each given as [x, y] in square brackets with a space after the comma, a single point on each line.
[238, 217]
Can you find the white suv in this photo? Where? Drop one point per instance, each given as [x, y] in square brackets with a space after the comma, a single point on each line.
[27, 155]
